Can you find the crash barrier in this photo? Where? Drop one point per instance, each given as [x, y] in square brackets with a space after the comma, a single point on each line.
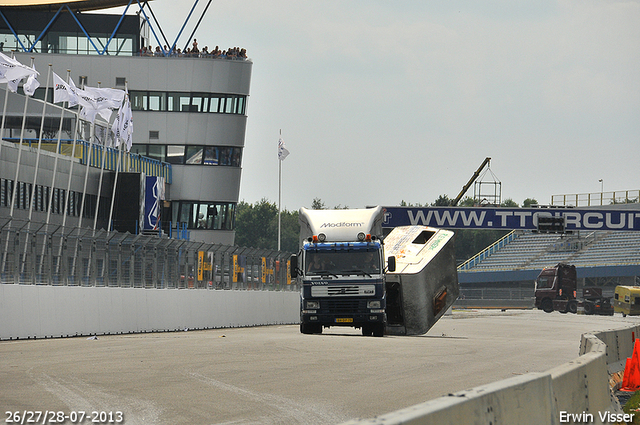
[39, 311]
[58, 281]
[575, 392]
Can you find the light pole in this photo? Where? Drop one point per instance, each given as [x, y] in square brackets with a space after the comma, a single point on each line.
[601, 191]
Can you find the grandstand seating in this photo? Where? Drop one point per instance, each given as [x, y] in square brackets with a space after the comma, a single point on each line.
[535, 251]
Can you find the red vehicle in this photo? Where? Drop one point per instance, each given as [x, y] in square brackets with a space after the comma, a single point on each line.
[556, 289]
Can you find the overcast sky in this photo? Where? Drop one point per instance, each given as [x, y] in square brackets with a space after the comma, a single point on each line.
[384, 101]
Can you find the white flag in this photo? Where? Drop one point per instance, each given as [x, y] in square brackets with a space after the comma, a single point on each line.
[13, 85]
[31, 85]
[11, 69]
[63, 92]
[115, 127]
[126, 125]
[282, 150]
[105, 97]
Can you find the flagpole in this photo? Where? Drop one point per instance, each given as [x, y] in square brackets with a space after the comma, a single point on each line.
[16, 186]
[35, 174]
[72, 158]
[104, 157]
[118, 155]
[58, 153]
[279, 194]
[4, 114]
[92, 131]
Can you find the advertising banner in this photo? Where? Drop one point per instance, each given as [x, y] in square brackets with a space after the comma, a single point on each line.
[154, 193]
[511, 218]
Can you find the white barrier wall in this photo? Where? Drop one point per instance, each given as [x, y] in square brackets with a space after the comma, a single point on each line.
[579, 387]
[33, 311]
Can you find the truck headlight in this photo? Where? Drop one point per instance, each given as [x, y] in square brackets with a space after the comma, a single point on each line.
[313, 305]
[373, 304]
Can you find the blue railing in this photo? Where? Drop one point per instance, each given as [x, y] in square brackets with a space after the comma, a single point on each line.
[130, 162]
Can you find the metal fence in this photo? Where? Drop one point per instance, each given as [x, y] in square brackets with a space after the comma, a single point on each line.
[40, 254]
[496, 293]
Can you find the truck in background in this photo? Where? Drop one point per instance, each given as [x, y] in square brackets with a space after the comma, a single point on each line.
[626, 300]
[556, 290]
[347, 280]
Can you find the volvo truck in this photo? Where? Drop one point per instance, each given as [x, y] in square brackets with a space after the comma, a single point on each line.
[346, 278]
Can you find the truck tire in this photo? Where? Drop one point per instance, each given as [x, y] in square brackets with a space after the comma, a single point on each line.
[378, 330]
[572, 307]
[367, 330]
[306, 329]
[588, 308]
[546, 305]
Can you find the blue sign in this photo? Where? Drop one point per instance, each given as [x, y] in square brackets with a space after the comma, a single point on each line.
[154, 193]
[510, 218]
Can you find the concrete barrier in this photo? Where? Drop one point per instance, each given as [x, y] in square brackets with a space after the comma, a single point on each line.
[33, 311]
[575, 392]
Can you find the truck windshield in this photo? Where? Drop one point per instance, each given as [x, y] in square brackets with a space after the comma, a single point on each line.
[342, 263]
[544, 282]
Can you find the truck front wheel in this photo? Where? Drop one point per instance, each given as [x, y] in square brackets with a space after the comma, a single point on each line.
[546, 305]
[378, 330]
[310, 328]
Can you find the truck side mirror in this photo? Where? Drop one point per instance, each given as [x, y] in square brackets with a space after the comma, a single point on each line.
[391, 264]
[294, 266]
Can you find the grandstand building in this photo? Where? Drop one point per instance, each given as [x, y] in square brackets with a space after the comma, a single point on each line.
[507, 269]
[189, 115]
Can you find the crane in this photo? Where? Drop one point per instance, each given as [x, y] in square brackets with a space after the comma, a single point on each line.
[470, 182]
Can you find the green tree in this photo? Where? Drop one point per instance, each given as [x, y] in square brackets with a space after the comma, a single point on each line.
[317, 204]
[257, 226]
[467, 201]
[509, 203]
[442, 201]
[529, 202]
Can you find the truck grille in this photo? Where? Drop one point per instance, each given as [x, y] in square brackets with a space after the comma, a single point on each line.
[343, 290]
[343, 305]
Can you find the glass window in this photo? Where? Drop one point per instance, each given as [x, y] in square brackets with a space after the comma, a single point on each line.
[212, 213]
[544, 282]
[228, 108]
[194, 155]
[210, 155]
[139, 149]
[175, 154]
[138, 101]
[157, 152]
[235, 157]
[201, 219]
[218, 220]
[185, 213]
[157, 101]
[225, 155]
[173, 102]
[185, 101]
[231, 216]
[240, 105]
[214, 105]
[199, 103]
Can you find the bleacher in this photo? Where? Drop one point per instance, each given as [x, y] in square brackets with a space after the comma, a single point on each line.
[529, 251]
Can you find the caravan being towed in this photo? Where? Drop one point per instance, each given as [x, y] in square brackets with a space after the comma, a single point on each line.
[341, 266]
